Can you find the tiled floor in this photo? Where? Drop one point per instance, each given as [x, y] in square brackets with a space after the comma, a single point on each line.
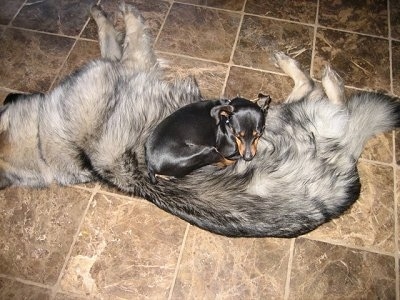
[89, 242]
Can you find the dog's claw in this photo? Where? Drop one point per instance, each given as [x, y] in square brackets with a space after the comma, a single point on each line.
[279, 56]
[96, 11]
[130, 9]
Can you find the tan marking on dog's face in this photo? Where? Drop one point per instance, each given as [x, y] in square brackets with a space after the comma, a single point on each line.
[254, 146]
[241, 146]
[256, 136]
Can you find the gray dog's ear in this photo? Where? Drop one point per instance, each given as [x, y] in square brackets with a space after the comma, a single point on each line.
[221, 110]
[263, 101]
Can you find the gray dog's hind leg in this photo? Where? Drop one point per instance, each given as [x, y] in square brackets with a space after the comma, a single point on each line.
[138, 52]
[303, 84]
[333, 86]
[108, 37]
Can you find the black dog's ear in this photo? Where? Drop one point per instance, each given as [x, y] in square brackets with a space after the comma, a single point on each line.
[221, 110]
[263, 101]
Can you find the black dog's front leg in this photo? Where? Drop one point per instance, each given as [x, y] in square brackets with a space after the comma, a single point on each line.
[189, 158]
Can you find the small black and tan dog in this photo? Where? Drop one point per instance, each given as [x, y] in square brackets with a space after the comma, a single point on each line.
[204, 133]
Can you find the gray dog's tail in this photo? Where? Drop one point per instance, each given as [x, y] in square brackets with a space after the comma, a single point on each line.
[220, 204]
[370, 114]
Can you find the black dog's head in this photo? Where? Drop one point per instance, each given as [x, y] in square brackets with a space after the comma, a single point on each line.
[241, 124]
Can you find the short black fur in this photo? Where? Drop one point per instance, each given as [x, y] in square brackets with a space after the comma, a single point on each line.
[203, 133]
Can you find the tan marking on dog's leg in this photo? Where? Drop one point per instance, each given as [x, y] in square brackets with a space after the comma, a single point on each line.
[333, 86]
[164, 177]
[138, 52]
[224, 163]
[303, 84]
[108, 37]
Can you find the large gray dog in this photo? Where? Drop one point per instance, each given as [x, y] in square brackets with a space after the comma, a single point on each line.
[94, 125]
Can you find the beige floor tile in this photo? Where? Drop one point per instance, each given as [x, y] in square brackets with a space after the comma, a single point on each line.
[260, 37]
[215, 267]
[300, 11]
[8, 10]
[394, 19]
[358, 66]
[234, 5]
[82, 52]
[397, 146]
[31, 56]
[379, 148]
[368, 17]
[37, 229]
[396, 66]
[209, 76]
[62, 17]
[370, 222]
[397, 183]
[199, 32]
[63, 296]
[325, 271]
[14, 290]
[126, 249]
[249, 83]
[3, 95]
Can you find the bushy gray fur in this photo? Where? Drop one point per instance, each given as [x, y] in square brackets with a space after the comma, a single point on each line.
[93, 126]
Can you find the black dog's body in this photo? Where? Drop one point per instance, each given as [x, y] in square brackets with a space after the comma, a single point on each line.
[204, 133]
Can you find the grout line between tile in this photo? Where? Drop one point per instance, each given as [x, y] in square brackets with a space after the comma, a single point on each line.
[123, 196]
[289, 270]
[396, 229]
[76, 38]
[314, 40]
[13, 18]
[281, 19]
[42, 32]
[245, 67]
[191, 57]
[353, 32]
[162, 25]
[390, 50]
[62, 66]
[371, 249]
[395, 179]
[376, 162]
[242, 66]
[230, 63]
[16, 14]
[25, 281]
[10, 90]
[178, 263]
[78, 187]
[213, 8]
[396, 186]
[56, 287]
